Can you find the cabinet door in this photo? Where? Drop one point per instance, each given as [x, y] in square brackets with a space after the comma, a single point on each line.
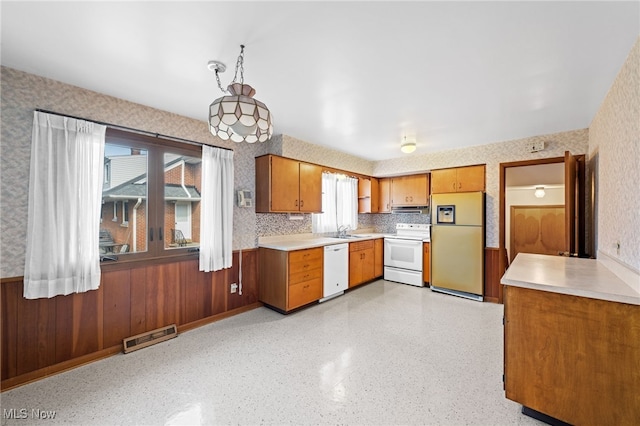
[355, 268]
[471, 179]
[426, 262]
[368, 264]
[443, 181]
[285, 176]
[310, 188]
[384, 188]
[378, 254]
[410, 190]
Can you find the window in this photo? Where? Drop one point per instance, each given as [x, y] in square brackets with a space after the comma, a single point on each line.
[157, 183]
[125, 213]
[339, 204]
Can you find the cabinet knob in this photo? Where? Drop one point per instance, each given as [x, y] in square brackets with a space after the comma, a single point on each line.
[296, 203]
[301, 203]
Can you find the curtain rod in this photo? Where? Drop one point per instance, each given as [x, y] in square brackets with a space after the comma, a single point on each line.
[131, 129]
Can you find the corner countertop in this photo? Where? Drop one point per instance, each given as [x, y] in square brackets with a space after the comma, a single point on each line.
[569, 275]
[305, 241]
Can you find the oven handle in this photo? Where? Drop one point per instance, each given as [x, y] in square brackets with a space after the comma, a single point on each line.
[404, 242]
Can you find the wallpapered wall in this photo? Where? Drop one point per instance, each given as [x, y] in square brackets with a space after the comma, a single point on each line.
[492, 155]
[23, 92]
[614, 145]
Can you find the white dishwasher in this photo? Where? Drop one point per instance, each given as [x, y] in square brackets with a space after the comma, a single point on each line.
[335, 270]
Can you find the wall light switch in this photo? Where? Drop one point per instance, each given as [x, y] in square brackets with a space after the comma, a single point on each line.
[234, 288]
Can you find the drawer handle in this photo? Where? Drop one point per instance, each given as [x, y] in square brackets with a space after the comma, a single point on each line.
[306, 276]
[306, 286]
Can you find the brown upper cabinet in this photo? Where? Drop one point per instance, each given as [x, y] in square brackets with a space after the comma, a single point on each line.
[284, 185]
[368, 196]
[460, 179]
[412, 190]
[384, 190]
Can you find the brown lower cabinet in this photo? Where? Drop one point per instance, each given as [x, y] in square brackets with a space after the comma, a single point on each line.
[573, 358]
[290, 279]
[426, 262]
[365, 262]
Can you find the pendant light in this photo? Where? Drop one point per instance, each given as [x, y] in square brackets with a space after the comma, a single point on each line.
[407, 147]
[239, 116]
[539, 193]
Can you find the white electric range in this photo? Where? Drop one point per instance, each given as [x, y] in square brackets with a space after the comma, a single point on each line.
[403, 253]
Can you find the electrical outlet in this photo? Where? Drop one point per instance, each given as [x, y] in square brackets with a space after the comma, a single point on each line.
[234, 288]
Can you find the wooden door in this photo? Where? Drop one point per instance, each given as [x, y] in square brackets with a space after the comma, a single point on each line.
[310, 188]
[443, 181]
[470, 179]
[385, 195]
[570, 202]
[285, 188]
[537, 229]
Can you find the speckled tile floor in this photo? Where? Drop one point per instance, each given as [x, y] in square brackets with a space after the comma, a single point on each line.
[385, 353]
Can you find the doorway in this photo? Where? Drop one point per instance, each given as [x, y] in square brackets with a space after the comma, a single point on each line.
[574, 205]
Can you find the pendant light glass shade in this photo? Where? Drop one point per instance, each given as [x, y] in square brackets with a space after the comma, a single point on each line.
[239, 117]
[407, 147]
[539, 193]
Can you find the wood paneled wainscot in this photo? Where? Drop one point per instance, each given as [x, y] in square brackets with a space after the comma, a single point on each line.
[572, 341]
[458, 179]
[284, 185]
[45, 336]
[290, 279]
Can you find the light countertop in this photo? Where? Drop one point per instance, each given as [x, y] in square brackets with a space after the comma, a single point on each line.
[569, 275]
[305, 241]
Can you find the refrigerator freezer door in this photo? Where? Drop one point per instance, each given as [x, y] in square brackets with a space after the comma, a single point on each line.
[457, 258]
[469, 207]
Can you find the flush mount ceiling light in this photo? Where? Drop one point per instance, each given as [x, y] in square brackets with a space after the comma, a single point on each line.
[539, 192]
[238, 117]
[407, 147]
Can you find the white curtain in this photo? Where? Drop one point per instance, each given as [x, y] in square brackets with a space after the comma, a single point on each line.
[216, 209]
[65, 196]
[347, 204]
[326, 221]
[339, 204]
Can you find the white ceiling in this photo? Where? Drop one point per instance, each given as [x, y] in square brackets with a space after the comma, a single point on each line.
[352, 76]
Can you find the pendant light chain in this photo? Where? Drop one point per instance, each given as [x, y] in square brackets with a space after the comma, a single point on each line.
[240, 66]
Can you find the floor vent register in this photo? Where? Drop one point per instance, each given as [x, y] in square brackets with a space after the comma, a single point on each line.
[149, 338]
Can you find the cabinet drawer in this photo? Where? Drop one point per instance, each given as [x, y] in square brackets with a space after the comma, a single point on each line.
[299, 277]
[304, 266]
[361, 245]
[305, 292]
[305, 255]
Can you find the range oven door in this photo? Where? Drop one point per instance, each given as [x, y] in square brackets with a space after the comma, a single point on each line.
[403, 253]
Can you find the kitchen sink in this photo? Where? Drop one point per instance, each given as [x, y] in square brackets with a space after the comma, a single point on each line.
[353, 236]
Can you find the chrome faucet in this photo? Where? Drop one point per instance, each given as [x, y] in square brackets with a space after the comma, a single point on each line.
[342, 231]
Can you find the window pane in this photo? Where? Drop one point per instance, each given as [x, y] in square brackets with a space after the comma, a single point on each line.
[182, 175]
[124, 200]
